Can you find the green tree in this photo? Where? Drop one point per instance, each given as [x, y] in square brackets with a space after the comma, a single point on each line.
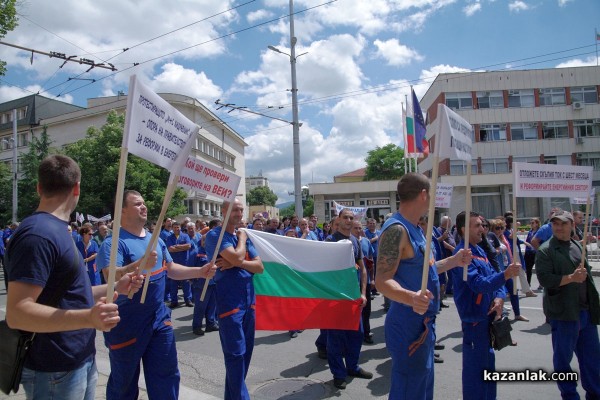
[287, 211]
[261, 195]
[308, 207]
[8, 22]
[98, 156]
[385, 163]
[5, 195]
[39, 148]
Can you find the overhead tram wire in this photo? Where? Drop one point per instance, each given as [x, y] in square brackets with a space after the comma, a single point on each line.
[205, 42]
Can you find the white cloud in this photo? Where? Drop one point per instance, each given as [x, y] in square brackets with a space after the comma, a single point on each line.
[471, 9]
[588, 62]
[562, 3]
[177, 79]
[396, 54]
[518, 6]
[258, 15]
[8, 93]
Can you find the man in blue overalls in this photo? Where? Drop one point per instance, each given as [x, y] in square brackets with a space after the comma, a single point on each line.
[237, 262]
[478, 301]
[145, 332]
[410, 321]
[208, 307]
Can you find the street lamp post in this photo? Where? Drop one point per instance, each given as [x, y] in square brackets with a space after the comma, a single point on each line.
[295, 123]
[14, 165]
[14, 196]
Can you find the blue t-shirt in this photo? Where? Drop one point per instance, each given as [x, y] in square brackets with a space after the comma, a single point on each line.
[131, 249]
[234, 285]
[41, 252]
[180, 257]
[544, 233]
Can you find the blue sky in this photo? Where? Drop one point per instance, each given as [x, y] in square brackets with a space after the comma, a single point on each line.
[361, 58]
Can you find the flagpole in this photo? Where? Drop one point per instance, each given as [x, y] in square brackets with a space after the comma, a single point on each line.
[431, 213]
[218, 247]
[404, 134]
[112, 267]
[468, 207]
[514, 238]
[152, 245]
[585, 227]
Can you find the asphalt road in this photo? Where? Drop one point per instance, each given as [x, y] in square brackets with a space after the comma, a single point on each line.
[286, 368]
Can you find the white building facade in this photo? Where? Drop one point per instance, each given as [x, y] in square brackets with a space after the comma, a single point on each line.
[549, 116]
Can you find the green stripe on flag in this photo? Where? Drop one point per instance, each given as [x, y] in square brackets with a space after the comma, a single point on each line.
[410, 126]
[280, 280]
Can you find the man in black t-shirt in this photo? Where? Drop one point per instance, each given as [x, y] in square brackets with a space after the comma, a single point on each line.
[41, 255]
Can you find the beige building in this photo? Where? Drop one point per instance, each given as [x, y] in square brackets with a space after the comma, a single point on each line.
[216, 142]
[549, 116]
[351, 190]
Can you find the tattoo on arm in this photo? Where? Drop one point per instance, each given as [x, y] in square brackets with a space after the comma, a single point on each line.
[389, 249]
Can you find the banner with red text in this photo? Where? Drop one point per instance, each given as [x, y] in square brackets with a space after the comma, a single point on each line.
[548, 180]
[208, 179]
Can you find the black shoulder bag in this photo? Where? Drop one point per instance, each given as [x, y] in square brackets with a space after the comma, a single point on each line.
[14, 343]
[500, 333]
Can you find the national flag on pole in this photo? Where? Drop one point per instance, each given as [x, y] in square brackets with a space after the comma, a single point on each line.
[409, 127]
[420, 129]
[306, 284]
[597, 36]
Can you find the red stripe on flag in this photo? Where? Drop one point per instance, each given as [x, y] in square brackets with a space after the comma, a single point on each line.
[410, 148]
[284, 313]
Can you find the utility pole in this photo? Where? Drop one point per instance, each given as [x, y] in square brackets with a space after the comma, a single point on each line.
[295, 125]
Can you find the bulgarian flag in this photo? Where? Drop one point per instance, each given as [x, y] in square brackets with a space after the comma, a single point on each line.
[306, 284]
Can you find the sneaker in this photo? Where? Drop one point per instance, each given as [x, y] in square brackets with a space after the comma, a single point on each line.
[438, 360]
[322, 353]
[173, 305]
[530, 294]
[444, 305]
[368, 340]
[361, 373]
[189, 304]
[439, 346]
[293, 334]
[198, 331]
[339, 383]
[212, 328]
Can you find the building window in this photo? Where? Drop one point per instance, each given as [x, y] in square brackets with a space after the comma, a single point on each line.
[459, 101]
[552, 97]
[526, 131]
[530, 160]
[550, 160]
[494, 166]
[587, 127]
[555, 130]
[586, 94]
[459, 167]
[589, 159]
[189, 205]
[492, 99]
[521, 98]
[492, 132]
[21, 113]
[22, 139]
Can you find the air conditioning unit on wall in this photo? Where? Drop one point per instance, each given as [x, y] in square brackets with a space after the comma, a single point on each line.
[577, 105]
[578, 140]
[205, 212]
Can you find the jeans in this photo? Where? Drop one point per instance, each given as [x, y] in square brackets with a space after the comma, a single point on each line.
[77, 384]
